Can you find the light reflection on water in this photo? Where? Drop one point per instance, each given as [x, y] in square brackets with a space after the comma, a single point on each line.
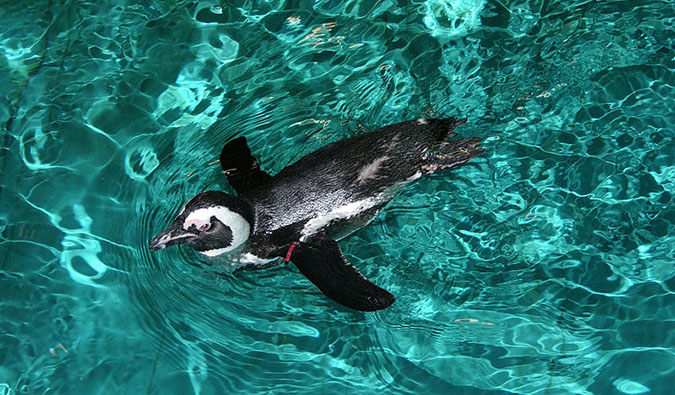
[544, 267]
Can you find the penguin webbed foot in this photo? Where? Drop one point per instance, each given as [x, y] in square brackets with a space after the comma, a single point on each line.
[322, 262]
[451, 154]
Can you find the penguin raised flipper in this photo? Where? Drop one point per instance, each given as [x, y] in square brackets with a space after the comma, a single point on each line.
[322, 262]
[241, 168]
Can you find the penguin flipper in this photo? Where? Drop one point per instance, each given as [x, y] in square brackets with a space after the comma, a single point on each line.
[322, 262]
[241, 168]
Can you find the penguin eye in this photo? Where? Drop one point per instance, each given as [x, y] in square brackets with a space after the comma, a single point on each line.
[205, 226]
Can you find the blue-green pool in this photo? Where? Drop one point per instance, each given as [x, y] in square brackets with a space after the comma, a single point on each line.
[547, 266]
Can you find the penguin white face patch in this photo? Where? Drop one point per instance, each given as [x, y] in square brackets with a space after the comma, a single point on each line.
[201, 219]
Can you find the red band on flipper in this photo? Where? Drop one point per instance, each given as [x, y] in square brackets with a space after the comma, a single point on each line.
[290, 251]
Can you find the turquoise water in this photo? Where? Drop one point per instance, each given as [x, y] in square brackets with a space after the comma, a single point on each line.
[544, 267]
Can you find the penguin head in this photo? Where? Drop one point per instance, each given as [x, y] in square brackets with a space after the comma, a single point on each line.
[212, 223]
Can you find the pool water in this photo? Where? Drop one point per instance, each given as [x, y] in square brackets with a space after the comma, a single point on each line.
[546, 266]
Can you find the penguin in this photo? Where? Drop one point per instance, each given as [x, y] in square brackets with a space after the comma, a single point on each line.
[299, 214]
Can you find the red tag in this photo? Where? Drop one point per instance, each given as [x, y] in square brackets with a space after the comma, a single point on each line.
[290, 251]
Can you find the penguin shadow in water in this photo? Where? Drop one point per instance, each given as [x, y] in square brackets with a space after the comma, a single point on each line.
[298, 214]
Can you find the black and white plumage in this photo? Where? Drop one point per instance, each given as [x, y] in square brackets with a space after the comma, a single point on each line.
[298, 213]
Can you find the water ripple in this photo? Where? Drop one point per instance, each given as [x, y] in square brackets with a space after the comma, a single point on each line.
[543, 267]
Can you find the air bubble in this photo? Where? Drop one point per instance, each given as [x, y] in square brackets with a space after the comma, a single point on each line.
[629, 386]
[196, 366]
[139, 163]
[34, 147]
[80, 251]
[445, 18]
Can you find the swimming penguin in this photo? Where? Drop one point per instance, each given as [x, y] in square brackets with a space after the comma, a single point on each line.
[298, 214]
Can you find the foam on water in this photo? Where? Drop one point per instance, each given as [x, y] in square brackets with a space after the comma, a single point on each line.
[545, 266]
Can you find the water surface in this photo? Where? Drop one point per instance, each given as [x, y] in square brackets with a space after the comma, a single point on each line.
[544, 267]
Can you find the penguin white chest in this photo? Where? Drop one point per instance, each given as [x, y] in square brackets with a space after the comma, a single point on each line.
[345, 211]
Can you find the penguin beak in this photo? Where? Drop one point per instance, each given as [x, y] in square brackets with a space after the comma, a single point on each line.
[175, 234]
